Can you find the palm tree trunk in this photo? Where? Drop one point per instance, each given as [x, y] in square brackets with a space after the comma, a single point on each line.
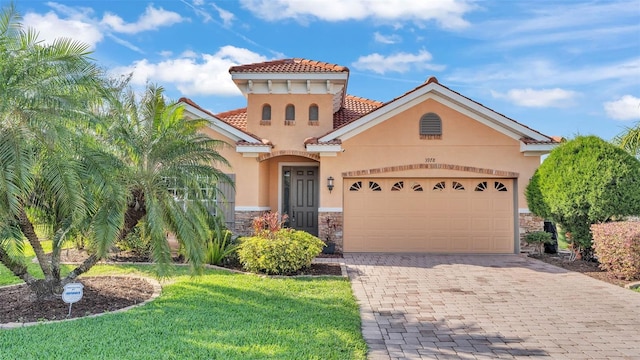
[27, 229]
[81, 269]
[17, 268]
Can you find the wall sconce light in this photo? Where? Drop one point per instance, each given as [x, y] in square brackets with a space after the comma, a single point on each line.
[330, 183]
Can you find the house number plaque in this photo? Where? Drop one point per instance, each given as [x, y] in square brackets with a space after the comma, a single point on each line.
[429, 160]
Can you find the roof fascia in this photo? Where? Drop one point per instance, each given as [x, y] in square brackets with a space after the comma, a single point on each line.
[221, 126]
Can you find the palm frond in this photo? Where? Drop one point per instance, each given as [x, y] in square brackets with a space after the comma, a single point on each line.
[156, 227]
[108, 220]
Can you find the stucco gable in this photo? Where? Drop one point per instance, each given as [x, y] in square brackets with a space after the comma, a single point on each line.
[530, 140]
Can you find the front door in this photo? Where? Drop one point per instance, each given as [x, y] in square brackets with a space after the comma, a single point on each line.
[300, 199]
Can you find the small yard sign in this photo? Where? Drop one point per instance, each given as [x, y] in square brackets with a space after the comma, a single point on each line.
[72, 293]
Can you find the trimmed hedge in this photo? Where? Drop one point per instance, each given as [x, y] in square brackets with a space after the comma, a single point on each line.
[617, 246]
[585, 181]
[286, 252]
[538, 239]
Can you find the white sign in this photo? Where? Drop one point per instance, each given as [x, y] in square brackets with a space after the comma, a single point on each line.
[72, 293]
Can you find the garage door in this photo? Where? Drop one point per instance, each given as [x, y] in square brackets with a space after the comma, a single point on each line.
[429, 215]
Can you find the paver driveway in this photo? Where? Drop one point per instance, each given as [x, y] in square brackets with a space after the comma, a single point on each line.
[475, 306]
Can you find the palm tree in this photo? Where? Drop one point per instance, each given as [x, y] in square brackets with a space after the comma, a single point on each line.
[629, 140]
[165, 162]
[44, 93]
[86, 157]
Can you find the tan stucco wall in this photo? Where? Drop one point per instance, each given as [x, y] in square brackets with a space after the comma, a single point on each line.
[396, 141]
[251, 176]
[289, 137]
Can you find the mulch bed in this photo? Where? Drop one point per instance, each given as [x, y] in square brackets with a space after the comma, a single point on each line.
[100, 294]
[589, 268]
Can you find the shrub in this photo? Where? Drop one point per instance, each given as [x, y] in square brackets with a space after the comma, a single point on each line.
[617, 247]
[137, 241]
[221, 244]
[268, 224]
[286, 252]
[585, 181]
[538, 239]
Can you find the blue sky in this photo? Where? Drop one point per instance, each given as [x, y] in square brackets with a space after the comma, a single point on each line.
[561, 67]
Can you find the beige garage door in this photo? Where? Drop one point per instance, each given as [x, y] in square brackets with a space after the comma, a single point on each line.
[429, 215]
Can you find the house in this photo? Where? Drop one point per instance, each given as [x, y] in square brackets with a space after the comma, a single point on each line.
[429, 171]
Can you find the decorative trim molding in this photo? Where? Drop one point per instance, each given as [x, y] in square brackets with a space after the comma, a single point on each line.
[321, 148]
[304, 154]
[500, 173]
[251, 148]
[253, 208]
[330, 209]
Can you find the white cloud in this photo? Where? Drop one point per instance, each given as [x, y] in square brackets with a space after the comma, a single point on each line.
[226, 16]
[386, 39]
[125, 43]
[152, 19]
[205, 74]
[546, 73]
[539, 98]
[51, 27]
[197, 8]
[447, 13]
[625, 108]
[399, 62]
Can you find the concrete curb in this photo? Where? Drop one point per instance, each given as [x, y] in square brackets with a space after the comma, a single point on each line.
[157, 290]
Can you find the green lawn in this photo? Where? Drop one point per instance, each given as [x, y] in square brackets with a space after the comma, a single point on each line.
[218, 315]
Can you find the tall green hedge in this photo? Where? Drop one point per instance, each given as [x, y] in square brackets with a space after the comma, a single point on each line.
[582, 182]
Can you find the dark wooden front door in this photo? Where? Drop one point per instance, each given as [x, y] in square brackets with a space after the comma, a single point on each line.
[301, 198]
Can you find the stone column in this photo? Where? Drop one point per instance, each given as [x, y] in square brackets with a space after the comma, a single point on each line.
[330, 226]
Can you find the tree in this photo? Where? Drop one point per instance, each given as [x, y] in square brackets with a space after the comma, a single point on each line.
[165, 163]
[629, 140]
[85, 157]
[585, 181]
[45, 90]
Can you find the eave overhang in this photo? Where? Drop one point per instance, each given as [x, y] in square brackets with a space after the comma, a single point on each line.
[536, 149]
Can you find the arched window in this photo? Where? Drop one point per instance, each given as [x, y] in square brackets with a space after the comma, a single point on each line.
[266, 113]
[290, 112]
[313, 112]
[430, 126]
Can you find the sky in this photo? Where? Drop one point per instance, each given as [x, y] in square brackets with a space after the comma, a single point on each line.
[565, 68]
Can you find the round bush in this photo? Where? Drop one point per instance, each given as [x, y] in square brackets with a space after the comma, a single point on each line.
[287, 252]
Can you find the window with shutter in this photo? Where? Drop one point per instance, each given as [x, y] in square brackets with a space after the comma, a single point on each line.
[266, 115]
[290, 115]
[313, 114]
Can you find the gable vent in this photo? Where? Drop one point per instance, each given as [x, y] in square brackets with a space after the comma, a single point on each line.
[430, 126]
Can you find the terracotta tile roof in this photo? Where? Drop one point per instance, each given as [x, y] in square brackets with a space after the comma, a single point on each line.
[354, 107]
[295, 65]
[236, 118]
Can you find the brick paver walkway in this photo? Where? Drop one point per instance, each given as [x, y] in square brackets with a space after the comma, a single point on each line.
[486, 307]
